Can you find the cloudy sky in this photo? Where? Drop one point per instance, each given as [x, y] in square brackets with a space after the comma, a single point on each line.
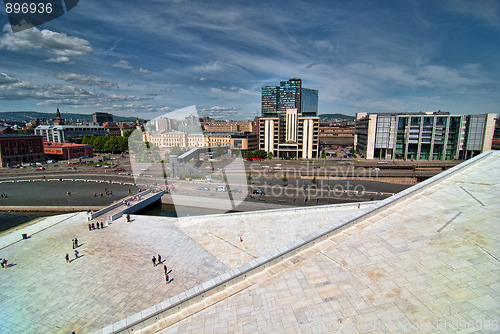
[149, 57]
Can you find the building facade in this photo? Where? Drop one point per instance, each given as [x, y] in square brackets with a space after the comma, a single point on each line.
[227, 126]
[71, 133]
[66, 151]
[289, 124]
[334, 134]
[102, 117]
[20, 148]
[423, 136]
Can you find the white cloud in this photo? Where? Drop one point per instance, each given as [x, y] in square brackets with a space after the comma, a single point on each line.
[58, 46]
[86, 80]
[59, 60]
[141, 71]
[214, 66]
[123, 64]
[6, 79]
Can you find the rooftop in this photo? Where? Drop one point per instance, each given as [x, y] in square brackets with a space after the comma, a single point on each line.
[425, 257]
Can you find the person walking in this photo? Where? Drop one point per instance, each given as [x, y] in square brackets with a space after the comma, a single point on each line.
[90, 227]
[73, 241]
[67, 258]
[154, 261]
[76, 243]
[159, 259]
[167, 279]
[76, 254]
[165, 268]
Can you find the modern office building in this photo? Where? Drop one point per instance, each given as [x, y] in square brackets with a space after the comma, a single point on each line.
[289, 124]
[102, 117]
[335, 134]
[289, 94]
[20, 148]
[423, 135]
[71, 133]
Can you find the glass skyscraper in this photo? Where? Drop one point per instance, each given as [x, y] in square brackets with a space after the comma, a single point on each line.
[276, 100]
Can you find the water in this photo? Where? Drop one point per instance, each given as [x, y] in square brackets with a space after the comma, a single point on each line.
[13, 219]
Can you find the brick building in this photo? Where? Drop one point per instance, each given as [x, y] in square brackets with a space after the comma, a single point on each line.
[20, 148]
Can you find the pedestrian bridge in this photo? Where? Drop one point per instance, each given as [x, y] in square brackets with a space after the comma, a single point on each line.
[128, 205]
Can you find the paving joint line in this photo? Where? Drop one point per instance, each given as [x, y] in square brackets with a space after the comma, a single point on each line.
[449, 222]
[468, 192]
[229, 242]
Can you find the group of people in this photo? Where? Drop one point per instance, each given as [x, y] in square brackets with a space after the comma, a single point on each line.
[96, 225]
[157, 261]
[75, 246]
[133, 198]
[106, 191]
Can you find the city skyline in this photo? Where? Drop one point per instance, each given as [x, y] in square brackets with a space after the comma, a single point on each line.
[146, 60]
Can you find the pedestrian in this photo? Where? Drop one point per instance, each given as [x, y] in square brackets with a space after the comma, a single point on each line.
[165, 268]
[95, 194]
[76, 243]
[102, 225]
[2, 262]
[154, 261]
[67, 258]
[166, 278]
[159, 259]
[90, 227]
[97, 225]
[128, 217]
[93, 226]
[241, 239]
[76, 254]
[73, 241]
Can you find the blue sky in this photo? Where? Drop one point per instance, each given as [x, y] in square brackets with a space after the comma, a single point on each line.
[147, 58]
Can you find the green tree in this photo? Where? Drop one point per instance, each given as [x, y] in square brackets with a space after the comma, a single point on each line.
[249, 176]
[314, 180]
[284, 178]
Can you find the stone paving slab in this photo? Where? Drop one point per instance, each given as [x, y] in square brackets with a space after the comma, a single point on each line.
[428, 264]
[354, 274]
[114, 278]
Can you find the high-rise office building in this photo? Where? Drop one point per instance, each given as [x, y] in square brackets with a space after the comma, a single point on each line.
[102, 117]
[423, 136]
[289, 94]
[289, 122]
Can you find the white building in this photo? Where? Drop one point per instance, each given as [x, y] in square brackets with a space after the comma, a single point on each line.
[72, 133]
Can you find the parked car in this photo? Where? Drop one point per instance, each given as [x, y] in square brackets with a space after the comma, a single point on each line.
[203, 188]
[220, 188]
[144, 169]
[119, 170]
[40, 168]
[236, 190]
[258, 192]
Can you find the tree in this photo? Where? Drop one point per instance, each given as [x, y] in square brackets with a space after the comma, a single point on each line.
[314, 180]
[249, 176]
[284, 178]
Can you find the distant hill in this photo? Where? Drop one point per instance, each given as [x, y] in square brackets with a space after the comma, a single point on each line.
[28, 116]
[335, 118]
